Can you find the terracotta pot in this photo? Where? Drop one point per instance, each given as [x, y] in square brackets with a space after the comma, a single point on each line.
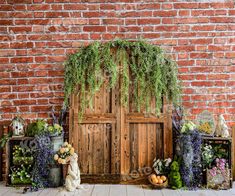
[65, 170]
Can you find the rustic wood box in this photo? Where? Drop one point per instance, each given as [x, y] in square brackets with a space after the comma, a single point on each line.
[9, 150]
[227, 143]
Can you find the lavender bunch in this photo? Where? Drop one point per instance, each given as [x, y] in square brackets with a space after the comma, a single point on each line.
[197, 166]
[186, 160]
[190, 154]
[43, 157]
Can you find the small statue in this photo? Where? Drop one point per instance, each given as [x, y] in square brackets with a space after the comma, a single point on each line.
[73, 180]
[17, 125]
[222, 128]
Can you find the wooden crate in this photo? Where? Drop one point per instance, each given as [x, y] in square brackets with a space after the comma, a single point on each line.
[9, 150]
[117, 144]
[227, 142]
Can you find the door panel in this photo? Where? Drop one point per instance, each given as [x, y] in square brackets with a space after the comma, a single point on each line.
[94, 147]
[145, 145]
[114, 142]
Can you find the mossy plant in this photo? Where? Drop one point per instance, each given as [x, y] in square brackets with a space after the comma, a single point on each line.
[175, 180]
[151, 72]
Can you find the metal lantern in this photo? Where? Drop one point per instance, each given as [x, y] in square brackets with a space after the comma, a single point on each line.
[17, 126]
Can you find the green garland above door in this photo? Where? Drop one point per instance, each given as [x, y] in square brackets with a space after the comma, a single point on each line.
[145, 66]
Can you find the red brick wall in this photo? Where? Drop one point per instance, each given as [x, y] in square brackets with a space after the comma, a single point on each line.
[36, 35]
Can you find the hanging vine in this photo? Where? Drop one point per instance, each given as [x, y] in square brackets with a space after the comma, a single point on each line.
[143, 65]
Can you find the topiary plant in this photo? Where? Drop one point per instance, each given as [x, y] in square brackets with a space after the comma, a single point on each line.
[175, 180]
[38, 127]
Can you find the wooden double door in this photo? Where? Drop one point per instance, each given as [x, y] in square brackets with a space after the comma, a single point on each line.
[117, 144]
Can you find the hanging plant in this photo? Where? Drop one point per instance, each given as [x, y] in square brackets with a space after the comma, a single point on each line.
[139, 63]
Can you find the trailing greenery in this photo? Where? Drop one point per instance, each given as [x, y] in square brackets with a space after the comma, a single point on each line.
[140, 64]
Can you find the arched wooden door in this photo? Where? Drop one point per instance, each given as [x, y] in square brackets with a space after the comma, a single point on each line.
[115, 144]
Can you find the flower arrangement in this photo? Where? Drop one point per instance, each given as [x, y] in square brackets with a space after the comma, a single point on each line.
[22, 155]
[220, 167]
[21, 175]
[207, 155]
[63, 154]
[22, 159]
[161, 166]
[55, 130]
[219, 176]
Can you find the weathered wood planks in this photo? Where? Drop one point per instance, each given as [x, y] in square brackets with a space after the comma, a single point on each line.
[115, 141]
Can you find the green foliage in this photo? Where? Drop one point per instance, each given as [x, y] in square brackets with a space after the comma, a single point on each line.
[212, 151]
[55, 130]
[175, 180]
[140, 64]
[38, 127]
[21, 175]
[22, 155]
[5, 139]
[22, 161]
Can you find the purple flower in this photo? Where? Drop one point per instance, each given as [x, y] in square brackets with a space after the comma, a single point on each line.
[190, 154]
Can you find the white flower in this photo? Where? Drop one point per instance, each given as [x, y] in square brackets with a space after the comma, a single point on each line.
[157, 172]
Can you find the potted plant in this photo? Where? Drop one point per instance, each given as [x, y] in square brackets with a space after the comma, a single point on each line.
[56, 130]
[39, 127]
[56, 135]
[63, 155]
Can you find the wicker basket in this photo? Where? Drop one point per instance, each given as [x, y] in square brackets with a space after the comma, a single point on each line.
[158, 186]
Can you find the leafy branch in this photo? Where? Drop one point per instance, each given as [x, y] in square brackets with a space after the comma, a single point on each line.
[145, 66]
